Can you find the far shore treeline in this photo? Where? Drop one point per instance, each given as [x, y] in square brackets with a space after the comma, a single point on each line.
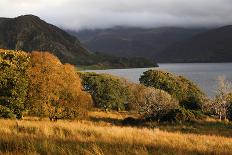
[38, 84]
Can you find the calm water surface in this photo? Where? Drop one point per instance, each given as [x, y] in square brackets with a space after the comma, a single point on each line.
[204, 74]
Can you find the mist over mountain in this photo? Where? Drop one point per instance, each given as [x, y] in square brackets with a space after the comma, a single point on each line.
[95, 14]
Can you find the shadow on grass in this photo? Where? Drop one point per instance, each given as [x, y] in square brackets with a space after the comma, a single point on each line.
[196, 127]
[113, 121]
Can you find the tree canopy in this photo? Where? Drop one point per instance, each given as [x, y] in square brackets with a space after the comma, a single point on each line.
[108, 92]
[189, 94]
[55, 89]
[40, 85]
[13, 81]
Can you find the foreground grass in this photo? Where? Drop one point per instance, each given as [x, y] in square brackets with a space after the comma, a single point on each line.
[89, 137]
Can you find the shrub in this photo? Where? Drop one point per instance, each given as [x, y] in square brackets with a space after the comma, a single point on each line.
[6, 112]
[199, 115]
[131, 121]
[153, 103]
[229, 112]
[229, 109]
[179, 115]
[188, 94]
[108, 92]
[13, 80]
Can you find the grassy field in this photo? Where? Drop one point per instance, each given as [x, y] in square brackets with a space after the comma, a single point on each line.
[103, 133]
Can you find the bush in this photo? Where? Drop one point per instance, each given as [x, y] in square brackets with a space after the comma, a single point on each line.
[188, 94]
[229, 112]
[108, 92]
[229, 109]
[13, 80]
[6, 113]
[153, 103]
[199, 115]
[179, 115]
[131, 121]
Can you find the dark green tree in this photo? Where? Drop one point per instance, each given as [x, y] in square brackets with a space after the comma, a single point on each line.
[13, 81]
[189, 94]
[108, 92]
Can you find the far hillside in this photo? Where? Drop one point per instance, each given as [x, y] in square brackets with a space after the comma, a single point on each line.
[211, 46]
[165, 44]
[130, 41]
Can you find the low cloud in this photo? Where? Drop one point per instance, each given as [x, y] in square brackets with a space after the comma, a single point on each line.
[80, 14]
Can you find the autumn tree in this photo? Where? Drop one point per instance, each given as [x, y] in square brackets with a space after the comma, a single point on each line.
[55, 90]
[13, 82]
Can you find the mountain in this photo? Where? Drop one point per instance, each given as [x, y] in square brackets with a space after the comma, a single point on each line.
[30, 33]
[211, 46]
[130, 42]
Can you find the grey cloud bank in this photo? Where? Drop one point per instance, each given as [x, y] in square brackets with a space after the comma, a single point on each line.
[79, 14]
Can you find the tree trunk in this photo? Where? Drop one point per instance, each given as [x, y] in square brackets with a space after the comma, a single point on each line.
[220, 116]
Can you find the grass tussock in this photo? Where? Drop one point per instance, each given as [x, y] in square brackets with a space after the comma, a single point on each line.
[90, 138]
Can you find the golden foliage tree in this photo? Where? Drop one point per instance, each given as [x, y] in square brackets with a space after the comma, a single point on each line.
[55, 90]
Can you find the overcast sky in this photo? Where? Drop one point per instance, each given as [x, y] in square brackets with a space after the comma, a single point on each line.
[79, 14]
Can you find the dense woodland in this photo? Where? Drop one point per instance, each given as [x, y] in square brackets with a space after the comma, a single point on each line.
[38, 84]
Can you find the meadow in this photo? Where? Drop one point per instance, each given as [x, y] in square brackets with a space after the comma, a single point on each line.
[102, 133]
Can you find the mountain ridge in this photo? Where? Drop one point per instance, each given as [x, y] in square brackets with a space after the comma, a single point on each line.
[126, 41]
[30, 33]
[167, 44]
[210, 46]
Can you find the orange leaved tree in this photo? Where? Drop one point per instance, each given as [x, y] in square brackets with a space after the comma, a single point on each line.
[55, 90]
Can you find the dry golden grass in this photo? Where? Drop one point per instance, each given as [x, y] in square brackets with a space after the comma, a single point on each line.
[86, 137]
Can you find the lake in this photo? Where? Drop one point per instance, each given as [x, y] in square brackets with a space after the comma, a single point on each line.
[203, 74]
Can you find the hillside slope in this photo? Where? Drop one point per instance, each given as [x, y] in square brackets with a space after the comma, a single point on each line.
[211, 46]
[130, 42]
[30, 33]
